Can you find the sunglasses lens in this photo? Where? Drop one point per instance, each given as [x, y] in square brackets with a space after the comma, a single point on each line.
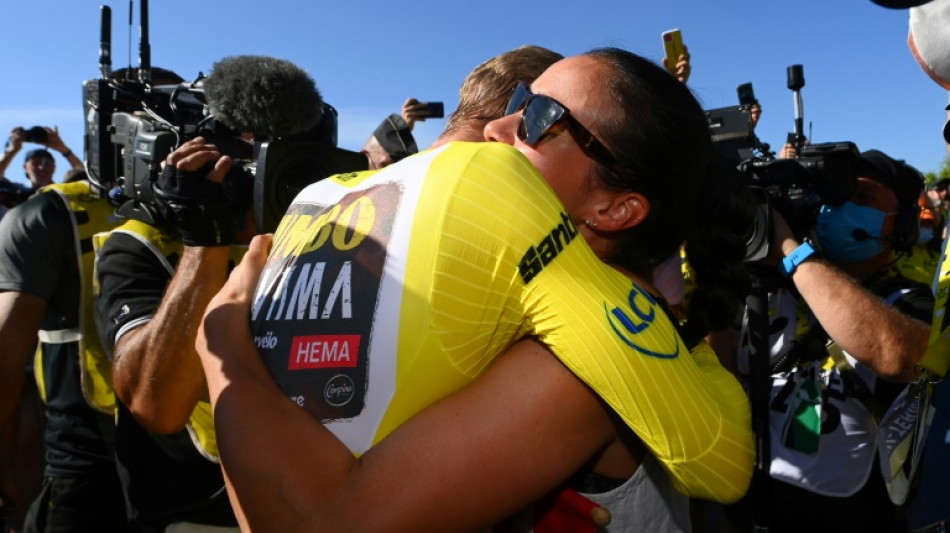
[946, 132]
[540, 114]
[517, 99]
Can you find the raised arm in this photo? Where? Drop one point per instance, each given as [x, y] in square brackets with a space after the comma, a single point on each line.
[54, 142]
[13, 146]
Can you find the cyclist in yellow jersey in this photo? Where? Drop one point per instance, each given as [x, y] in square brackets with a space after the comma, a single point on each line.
[527, 422]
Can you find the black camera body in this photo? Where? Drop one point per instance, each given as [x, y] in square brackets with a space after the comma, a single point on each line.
[733, 132]
[797, 188]
[285, 166]
[825, 170]
[171, 115]
[821, 174]
[131, 127]
[36, 134]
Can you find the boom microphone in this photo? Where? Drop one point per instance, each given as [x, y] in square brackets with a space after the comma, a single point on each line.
[266, 96]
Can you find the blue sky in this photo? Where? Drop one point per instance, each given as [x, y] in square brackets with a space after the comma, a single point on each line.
[367, 57]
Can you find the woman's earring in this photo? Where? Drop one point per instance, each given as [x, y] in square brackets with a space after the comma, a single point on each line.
[590, 223]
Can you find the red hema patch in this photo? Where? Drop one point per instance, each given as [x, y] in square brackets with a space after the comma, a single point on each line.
[324, 351]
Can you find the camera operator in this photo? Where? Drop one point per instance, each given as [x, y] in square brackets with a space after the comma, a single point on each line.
[38, 164]
[155, 281]
[844, 337]
[167, 478]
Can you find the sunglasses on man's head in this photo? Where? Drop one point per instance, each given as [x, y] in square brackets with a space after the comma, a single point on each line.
[541, 113]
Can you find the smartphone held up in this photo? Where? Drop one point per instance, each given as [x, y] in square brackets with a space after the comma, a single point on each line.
[431, 110]
[673, 46]
[746, 94]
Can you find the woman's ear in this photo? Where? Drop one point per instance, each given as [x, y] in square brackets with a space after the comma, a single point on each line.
[623, 211]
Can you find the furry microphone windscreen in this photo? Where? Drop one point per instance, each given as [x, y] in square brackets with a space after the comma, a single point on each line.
[266, 96]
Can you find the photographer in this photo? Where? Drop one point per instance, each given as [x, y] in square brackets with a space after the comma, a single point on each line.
[168, 477]
[155, 279]
[38, 164]
[844, 337]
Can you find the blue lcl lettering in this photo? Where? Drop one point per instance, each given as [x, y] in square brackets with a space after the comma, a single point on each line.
[645, 317]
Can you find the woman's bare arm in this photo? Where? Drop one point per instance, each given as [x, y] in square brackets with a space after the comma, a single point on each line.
[463, 463]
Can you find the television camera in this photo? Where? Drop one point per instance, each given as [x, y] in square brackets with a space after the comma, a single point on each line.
[821, 173]
[132, 124]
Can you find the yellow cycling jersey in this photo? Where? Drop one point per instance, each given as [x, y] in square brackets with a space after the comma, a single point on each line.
[388, 290]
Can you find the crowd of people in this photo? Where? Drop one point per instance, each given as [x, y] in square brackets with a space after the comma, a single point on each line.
[549, 320]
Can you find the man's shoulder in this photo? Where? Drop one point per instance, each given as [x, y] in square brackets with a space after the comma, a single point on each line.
[135, 234]
[443, 167]
[43, 205]
[36, 245]
[43, 219]
[490, 164]
[137, 243]
[504, 155]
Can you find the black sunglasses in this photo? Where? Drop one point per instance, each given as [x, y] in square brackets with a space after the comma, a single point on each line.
[541, 113]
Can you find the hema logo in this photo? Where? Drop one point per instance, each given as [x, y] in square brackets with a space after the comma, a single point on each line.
[324, 351]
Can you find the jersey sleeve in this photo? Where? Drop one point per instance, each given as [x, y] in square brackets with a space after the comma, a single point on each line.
[132, 281]
[36, 241]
